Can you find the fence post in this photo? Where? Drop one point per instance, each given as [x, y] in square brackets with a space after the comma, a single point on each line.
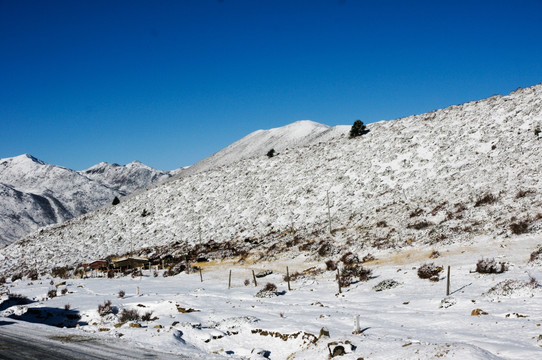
[448, 282]
[288, 278]
[254, 277]
[200, 275]
[229, 282]
[339, 279]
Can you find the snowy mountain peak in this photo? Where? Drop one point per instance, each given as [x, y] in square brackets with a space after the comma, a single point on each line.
[258, 143]
[33, 159]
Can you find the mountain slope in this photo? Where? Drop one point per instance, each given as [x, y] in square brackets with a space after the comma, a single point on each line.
[258, 143]
[463, 173]
[34, 193]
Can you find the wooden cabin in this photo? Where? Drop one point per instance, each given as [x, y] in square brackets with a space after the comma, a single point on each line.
[130, 263]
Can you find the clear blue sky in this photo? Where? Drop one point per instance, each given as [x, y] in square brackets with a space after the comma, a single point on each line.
[171, 82]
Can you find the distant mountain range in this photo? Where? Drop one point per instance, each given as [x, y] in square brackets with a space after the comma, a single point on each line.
[35, 194]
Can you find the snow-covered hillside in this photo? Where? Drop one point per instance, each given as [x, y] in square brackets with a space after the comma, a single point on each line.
[34, 193]
[258, 143]
[464, 173]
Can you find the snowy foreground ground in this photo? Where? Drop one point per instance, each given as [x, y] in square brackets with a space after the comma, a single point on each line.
[206, 320]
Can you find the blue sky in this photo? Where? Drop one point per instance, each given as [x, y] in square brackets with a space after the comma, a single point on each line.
[171, 82]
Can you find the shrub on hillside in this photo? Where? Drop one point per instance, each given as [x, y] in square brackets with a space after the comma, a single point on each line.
[536, 255]
[60, 272]
[350, 273]
[17, 276]
[331, 265]
[148, 316]
[386, 285]
[429, 271]
[32, 274]
[106, 309]
[116, 201]
[349, 259]
[520, 227]
[368, 257]
[490, 266]
[2, 280]
[270, 287]
[51, 293]
[121, 293]
[129, 315]
[485, 199]
[269, 290]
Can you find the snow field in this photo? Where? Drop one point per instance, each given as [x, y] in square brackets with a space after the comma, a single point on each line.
[414, 320]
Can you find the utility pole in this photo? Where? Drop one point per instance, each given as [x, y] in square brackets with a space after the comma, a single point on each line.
[328, 211]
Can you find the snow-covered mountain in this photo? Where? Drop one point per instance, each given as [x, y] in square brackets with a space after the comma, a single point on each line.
[465, 173]
[34, 193]
[258, 143]
[125, 179]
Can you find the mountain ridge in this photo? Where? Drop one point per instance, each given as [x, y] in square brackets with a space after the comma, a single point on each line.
[35, 193]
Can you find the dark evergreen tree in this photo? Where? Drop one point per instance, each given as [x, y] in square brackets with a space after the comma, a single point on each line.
[357, 129]
[271, 153]
[116, 201]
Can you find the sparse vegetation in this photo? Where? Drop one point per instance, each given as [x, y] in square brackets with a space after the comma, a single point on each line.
[147, 316]
[129, 315]
[60, 272]
[32, 274]
[429, 271]
[490, 266]
[368, 257]
[509, 287]
[64, 291]
[416, 213]
[106, 309]
[2, 280]
[536, 255]
[270, 287]
[523, 193]
[350, 273]
[485, 199]
[16, 276]
[331, 265]
[51, 293]
[420, 225]
[386, 285]
[269, 290]
[349, 259]
[520, 227]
